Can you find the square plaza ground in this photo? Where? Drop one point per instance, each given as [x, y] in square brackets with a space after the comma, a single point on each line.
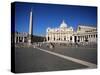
[34, 60]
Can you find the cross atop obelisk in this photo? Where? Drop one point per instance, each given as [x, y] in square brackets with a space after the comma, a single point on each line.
[30, 29]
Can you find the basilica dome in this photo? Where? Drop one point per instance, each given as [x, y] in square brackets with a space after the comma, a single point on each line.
[63, 24]
[48, 29]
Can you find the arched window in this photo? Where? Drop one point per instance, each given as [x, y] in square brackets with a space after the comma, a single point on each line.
[79, 28]
[59, 38]
[54, 38]
[89, 36]
[96, 35]
[70, 37]
[64, 37]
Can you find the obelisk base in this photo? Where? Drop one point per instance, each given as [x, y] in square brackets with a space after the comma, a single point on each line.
[29, 42]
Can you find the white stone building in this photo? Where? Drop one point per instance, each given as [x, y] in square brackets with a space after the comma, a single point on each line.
[65, 34]
[61, 34]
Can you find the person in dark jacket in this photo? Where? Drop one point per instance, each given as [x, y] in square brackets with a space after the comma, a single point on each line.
[52, 46]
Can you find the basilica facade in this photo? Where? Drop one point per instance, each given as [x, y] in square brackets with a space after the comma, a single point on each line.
[65, 34]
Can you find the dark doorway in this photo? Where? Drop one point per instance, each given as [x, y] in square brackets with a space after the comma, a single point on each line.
[48, 38]
[54, 38]
[70, 37]
[64, 38]
[75, 38]
[86, 39]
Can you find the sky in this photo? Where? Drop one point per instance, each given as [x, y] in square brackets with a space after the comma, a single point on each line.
[52, 15]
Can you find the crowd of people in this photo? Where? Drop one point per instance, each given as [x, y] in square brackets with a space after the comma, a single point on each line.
[54, 45]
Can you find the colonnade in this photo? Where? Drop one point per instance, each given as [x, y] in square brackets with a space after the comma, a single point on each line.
[86, 38]
[19, 39]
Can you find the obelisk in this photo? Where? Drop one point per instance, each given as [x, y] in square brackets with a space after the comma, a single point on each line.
[30, 29]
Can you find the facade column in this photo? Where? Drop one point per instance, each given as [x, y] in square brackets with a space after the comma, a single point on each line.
[89, 38]
[63, 37]
[47, 38]
[60, 36]
[50, 37]
[82, 38]
[23, 39]
[73, 39]
[53, 37]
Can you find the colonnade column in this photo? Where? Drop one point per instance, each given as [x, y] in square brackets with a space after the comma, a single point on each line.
[23, 39]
